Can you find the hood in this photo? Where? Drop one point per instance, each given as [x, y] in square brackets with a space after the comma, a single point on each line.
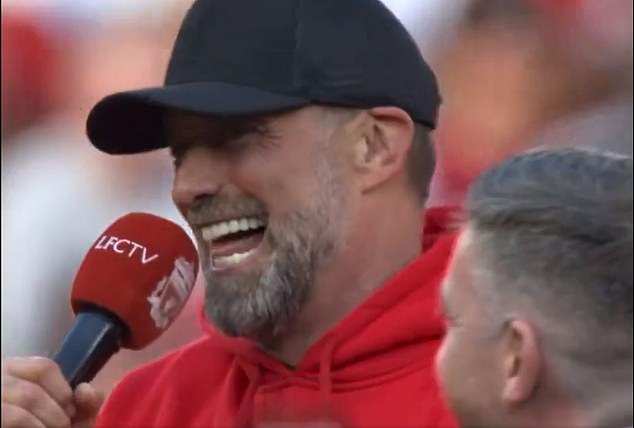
[385, 334]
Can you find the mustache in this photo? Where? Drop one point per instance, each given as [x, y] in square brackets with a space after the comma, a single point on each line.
[212, 209]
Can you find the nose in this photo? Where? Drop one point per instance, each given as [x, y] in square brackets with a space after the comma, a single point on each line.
[200, 174]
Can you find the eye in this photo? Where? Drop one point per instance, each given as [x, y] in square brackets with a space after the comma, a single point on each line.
[235, 147]
[248, 145]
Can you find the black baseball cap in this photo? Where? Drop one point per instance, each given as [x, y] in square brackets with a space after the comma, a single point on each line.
[248, 57]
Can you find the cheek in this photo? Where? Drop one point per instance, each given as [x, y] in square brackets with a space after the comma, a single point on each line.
[465, 370]
[455, 366]
[282, 186]
[444, 359]
[264, 177]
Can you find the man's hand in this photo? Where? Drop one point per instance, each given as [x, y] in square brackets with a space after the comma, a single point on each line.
[35, 394]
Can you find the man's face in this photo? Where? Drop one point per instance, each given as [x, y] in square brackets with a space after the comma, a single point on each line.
[468, 361]
[266, 201]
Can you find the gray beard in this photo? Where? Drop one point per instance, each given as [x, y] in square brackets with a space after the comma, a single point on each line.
[262, 305]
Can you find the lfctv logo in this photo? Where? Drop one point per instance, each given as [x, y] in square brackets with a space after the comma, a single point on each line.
[125, 246]
[171, 293]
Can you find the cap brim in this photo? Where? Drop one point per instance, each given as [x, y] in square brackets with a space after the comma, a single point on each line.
[131, 122]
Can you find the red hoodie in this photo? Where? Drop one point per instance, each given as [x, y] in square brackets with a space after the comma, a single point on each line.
[373, 369]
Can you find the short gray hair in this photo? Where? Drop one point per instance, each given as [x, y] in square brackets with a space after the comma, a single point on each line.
[553, 231]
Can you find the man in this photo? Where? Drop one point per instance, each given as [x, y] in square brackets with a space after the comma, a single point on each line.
[538, 298]
[300, 136]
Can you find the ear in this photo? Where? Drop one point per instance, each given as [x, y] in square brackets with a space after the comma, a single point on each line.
[522, 362]
[381, 149]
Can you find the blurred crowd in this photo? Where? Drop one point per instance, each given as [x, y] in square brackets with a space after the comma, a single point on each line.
[514, 74]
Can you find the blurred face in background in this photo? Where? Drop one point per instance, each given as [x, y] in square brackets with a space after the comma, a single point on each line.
[100, 69]
[30, 59]
[266, 201]
[105, 60]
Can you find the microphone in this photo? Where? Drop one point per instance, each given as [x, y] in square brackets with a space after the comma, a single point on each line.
[132, 284]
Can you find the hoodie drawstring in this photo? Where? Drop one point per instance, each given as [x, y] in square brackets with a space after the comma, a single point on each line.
[325, 374]
[245, 413]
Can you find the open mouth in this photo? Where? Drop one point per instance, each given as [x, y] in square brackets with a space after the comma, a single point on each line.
[233, 242]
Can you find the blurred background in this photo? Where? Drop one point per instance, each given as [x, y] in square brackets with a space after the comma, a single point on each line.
[514, 74]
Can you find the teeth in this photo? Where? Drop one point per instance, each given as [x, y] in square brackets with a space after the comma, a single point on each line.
[234, 226]
[219, 230]
[233, 259]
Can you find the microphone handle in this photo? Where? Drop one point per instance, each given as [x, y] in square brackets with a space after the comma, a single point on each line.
[87, 347]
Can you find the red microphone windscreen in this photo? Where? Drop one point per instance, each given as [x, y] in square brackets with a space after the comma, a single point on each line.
[141, 269]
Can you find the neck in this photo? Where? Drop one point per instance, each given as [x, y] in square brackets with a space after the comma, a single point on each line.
[611, 410]
[614, 409]
[558, 415]
[352, 275]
